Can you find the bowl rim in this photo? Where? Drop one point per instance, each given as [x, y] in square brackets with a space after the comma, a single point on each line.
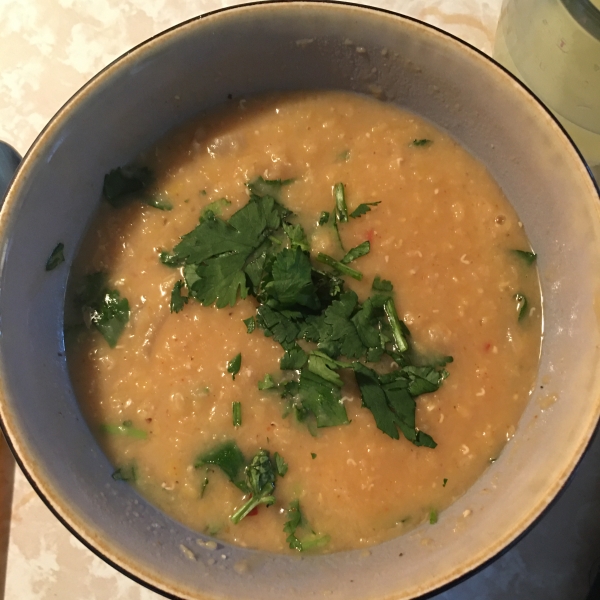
[36, 478]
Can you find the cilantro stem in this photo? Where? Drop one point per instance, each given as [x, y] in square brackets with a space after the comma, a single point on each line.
[338, 266]
[249, 506]
[341, 209]
[392, 315]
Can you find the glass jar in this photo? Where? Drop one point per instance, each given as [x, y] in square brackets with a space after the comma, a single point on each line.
[553, 46]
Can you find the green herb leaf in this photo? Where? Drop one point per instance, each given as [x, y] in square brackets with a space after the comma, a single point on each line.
[267, 383]
[268, 187]
[528, 257]
[126, 428]
[250, 324]
[362, 209]
[296, 236]
[421, 142]
[323, 218]
[294, 359]
[177, 300]
[236, 409]
[357, 252]
[295, 521]
[344, 156]
[322, 399]
[338, 266]
[260, 481]
[522, 305]
[169, 260]
[280, 464]
[341, 209]
[215, 208]
[396, 325]
[433, 516]
[158, 200]
[233, 366]
[56, 257]
[444, 482]
[228, 457]
[126, 473]
[121, 183]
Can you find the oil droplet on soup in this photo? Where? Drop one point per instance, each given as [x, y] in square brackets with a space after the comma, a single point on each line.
[184, 396]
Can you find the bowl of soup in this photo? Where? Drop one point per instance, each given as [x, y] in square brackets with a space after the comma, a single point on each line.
[300, 299]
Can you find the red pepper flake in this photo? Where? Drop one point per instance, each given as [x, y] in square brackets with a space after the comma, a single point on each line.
[253, 512]
[370, 235]
[487, 346]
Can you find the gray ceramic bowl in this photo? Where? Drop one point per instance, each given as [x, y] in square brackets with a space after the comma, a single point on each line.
[282, 46]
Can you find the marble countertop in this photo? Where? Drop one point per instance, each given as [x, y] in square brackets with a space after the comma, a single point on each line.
[48, 50]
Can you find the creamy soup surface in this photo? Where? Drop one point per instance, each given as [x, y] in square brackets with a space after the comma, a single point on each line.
[443, 234]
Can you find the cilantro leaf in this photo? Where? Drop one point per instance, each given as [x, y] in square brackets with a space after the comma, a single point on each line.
[122, 182]
[338, 266]
[356, 252]
[169, 260]
[294, 359]
[267, 383]
[157, 200]
[267, 187]
[216, 208]
[296, 236]
[125, 428]
[325, 367]
[56, 257]
[382, 285]
[322, 399]
[277, 325]
[250, 324]
[291, 282]
[280, 465]
[421, 142]
[236, 410]
[340, 332]
[228, 457]
[260, 481]
[233, 366]
[295, 521]
[528, 257]
[323, 218]
[341, 209]
[126, 473]
[363, 209]
[177, 300]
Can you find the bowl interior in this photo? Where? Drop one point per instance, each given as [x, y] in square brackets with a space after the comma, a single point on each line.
[295, 46]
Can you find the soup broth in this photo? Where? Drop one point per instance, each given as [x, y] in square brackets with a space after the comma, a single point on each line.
[171, 390]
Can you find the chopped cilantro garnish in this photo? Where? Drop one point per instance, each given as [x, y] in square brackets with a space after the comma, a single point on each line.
[170, 260]
[521, 301]
[433, 516]
[356, 252]
[323, 400]
[228, 457]
[294, 358]
[233, 366]
[125, 428]
[395, 324]
[122, 182]
[250, 324]
[341, 209]
[295, 521]
[159, 201]
[267, 383]
[280, 464]
[421, 142]
[103, 308]
[528, 257]
[362, 209]
[126, 473]
[236, 409]
[260, 481]
[215, 208]
[338, 266]
[444, 482]
[268, 187]
[177, 300]
[56, 257]
[323, 218]
[313, 455]
[296, 236]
